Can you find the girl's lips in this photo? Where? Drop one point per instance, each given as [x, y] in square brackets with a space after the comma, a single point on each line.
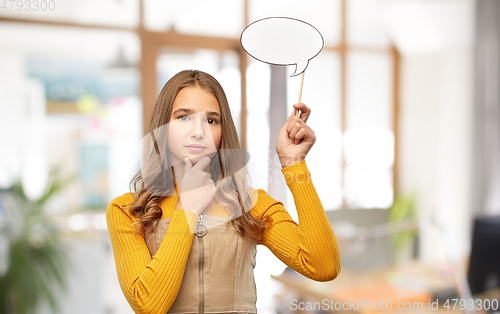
[195, 149]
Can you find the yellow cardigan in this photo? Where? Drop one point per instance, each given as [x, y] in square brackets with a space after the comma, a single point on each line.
[152, 283]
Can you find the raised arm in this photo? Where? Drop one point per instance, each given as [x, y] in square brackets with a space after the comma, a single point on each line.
[310, 247]
[150, 285]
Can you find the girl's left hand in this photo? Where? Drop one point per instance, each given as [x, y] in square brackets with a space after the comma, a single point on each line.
[295, 138]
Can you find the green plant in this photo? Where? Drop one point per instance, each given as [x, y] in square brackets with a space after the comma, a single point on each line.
[36, 260]
[403, 209]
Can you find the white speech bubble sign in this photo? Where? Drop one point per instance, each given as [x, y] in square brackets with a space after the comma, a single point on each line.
[282, 41]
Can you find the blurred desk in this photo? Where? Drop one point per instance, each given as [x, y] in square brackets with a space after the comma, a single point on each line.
[414, 284]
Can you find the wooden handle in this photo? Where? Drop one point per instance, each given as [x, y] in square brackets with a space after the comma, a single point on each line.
[300, 92]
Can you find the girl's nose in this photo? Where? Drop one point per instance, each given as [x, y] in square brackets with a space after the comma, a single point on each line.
[197, 131]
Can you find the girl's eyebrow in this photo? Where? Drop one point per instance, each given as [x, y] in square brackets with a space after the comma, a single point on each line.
[191, 111]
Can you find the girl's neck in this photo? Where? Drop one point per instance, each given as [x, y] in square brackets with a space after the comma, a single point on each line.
[178, 173]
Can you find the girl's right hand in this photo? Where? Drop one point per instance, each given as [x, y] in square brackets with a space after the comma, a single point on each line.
[197, 189]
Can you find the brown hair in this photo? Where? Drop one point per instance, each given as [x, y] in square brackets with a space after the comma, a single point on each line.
[150, 184]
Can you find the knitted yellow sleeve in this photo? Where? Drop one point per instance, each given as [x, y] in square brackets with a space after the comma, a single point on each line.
[310, 247]
[150, 285]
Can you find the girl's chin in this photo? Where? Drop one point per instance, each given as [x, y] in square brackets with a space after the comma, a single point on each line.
[194, 159]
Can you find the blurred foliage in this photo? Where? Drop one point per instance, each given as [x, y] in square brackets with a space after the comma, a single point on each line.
[36, 259]
[403, 209]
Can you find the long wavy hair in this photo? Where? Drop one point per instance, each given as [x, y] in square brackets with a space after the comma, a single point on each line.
[152, 182]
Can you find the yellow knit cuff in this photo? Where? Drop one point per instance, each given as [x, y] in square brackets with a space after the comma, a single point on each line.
[191, 219]
[297, 173]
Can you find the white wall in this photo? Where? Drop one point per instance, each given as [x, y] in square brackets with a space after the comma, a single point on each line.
[436, 118]
[436, 141]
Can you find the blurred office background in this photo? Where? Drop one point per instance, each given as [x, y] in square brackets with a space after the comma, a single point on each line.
[404, 100]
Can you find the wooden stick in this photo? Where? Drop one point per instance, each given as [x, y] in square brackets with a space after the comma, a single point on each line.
[300, 91]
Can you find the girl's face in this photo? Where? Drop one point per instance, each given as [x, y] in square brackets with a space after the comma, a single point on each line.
[195, 120]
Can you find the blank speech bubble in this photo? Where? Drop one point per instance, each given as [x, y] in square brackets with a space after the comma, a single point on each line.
[282, 41]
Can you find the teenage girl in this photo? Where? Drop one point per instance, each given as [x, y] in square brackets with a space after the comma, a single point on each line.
[184, 239]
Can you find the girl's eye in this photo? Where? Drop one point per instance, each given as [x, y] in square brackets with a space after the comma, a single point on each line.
[182, 119]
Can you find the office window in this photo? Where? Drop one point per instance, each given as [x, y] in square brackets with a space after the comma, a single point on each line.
[369, 139]
[258, 131]
[90, 97]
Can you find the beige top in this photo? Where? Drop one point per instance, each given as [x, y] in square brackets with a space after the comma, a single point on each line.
[219, 272]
